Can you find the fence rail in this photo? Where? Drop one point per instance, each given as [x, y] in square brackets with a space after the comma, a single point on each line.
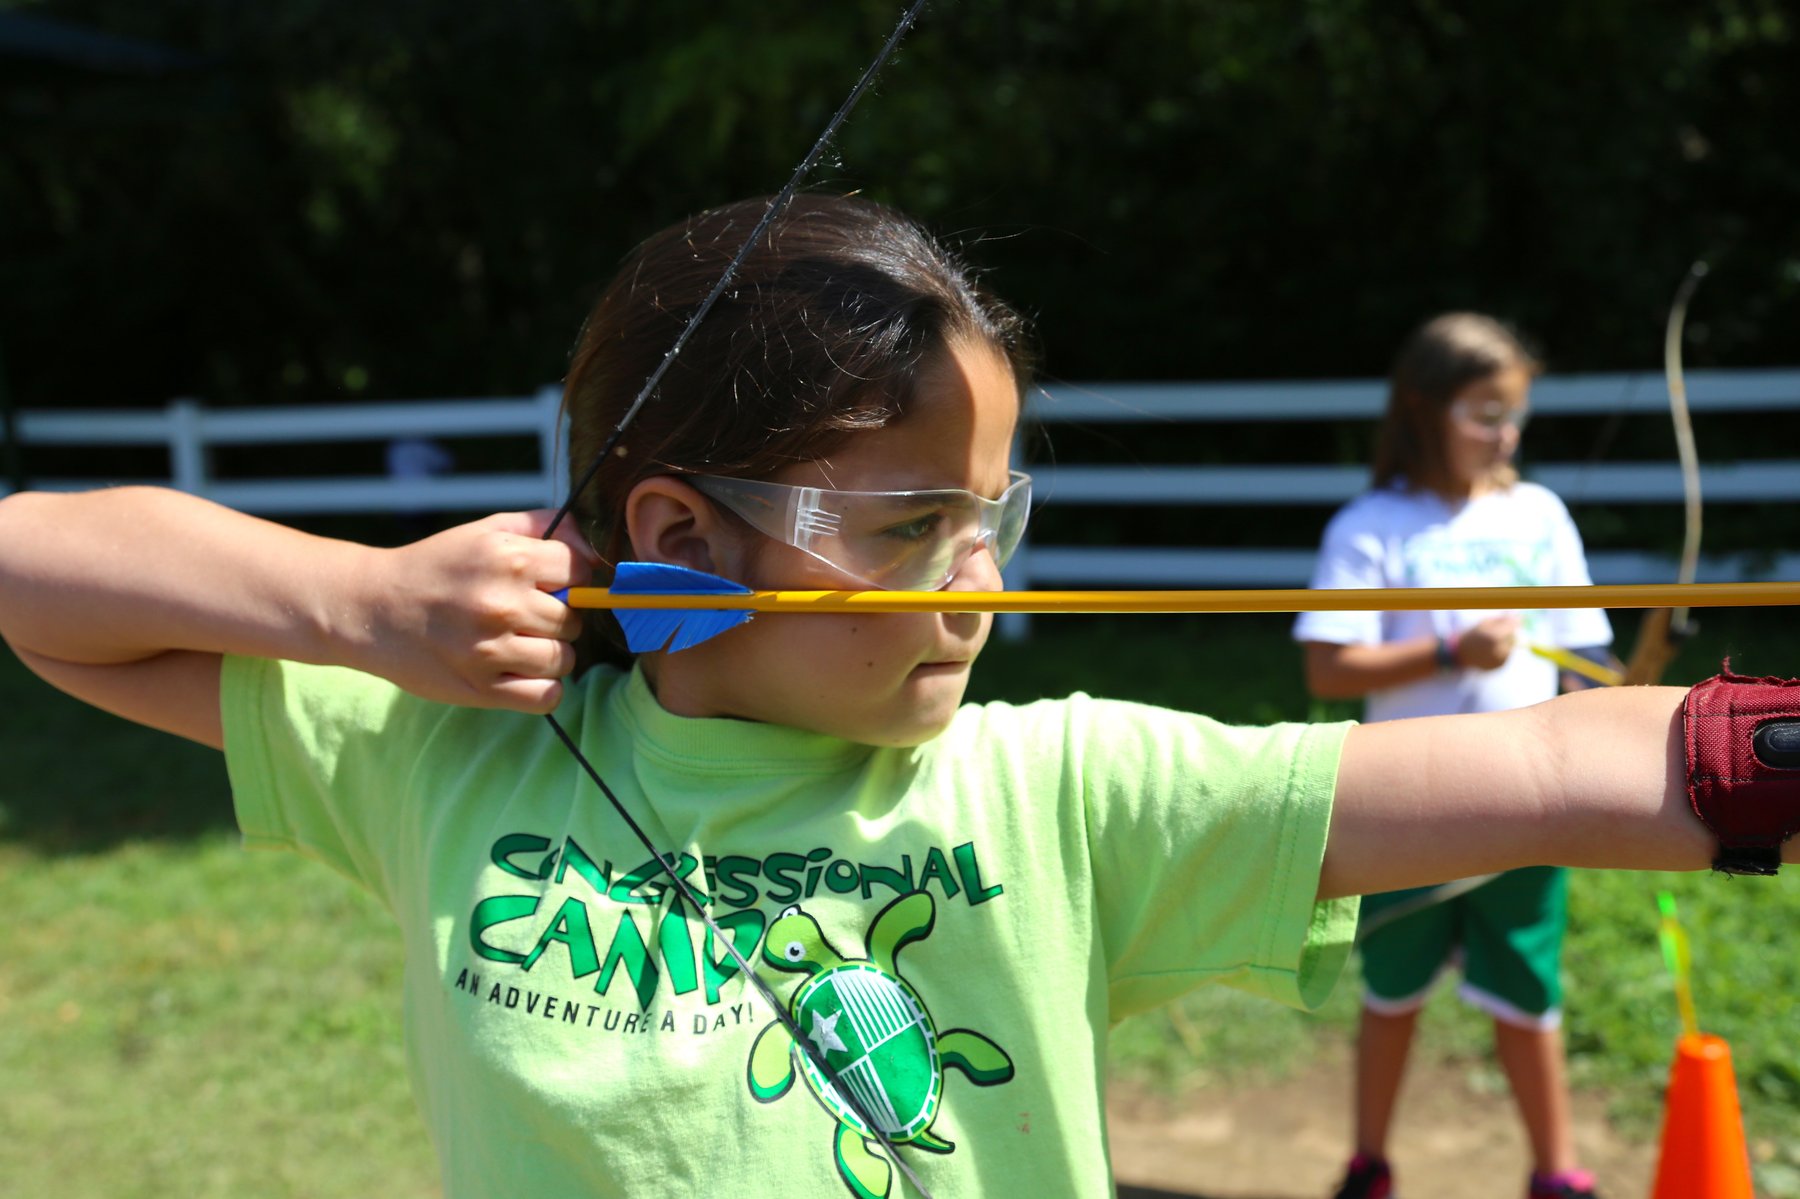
[1639, 394]
[1633, 393]
[1630, 394]
[189, 432]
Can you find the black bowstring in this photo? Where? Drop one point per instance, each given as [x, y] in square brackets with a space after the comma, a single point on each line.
[813, 1054]
[681, 885]
[731, 268]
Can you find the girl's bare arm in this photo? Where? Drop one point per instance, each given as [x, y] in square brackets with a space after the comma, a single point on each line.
[1336, 671]
[1595, 778]
[128, 597]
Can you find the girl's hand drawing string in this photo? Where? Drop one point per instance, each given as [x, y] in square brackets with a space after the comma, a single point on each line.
[845, 1094]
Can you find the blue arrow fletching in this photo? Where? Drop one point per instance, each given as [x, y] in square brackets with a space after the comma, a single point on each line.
[651, 629]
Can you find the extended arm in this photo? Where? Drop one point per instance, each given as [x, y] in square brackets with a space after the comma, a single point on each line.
[1352, 671]
[1336, 671]
[1596, 778]
[128, 597]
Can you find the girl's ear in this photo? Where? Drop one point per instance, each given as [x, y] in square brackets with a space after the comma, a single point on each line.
[668, 521]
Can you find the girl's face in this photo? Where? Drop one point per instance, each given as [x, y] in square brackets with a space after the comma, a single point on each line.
[1482, 426]
[872, 678]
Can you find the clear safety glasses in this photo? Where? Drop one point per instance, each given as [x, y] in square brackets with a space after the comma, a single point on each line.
[1491, 416]
[894, 540]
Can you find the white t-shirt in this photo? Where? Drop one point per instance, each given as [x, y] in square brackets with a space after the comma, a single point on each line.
[1519, 537]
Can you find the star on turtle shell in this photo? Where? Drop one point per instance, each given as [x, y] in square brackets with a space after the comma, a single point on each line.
[875, 1035]
[824, 1032]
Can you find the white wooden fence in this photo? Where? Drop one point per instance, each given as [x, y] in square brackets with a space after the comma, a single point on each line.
[189, 431]
[1639, 394]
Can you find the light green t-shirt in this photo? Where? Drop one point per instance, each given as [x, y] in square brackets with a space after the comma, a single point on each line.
[571, 1031]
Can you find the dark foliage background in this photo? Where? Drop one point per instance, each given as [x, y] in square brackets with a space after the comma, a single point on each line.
[328, 199]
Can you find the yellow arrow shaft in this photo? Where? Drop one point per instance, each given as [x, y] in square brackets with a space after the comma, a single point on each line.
[1576, 664]
[1296, 599]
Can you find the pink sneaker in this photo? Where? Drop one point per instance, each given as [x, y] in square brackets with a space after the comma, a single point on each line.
[1565, 1184]
[1366, 1178]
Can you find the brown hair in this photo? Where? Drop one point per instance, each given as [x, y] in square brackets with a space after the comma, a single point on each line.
[820, 335]
[1439, 359]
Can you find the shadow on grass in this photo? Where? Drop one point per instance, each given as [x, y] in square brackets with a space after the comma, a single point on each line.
[74, 780]
[1128, 1191]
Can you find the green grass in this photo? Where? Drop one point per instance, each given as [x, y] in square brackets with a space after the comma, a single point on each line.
[181, 1017]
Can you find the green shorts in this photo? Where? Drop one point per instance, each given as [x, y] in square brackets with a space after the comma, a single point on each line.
[1507, 934]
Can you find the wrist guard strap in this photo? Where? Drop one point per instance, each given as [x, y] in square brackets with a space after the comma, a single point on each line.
[1743, 766]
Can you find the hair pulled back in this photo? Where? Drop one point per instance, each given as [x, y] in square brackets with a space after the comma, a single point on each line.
[821, 335]
[1438, 360]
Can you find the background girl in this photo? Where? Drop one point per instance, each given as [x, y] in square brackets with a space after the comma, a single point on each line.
[954, 902]
[1447, 509]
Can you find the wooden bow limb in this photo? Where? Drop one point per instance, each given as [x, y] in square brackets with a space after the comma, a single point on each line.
[1662, 632]
[1656, 647]
[1297, 599]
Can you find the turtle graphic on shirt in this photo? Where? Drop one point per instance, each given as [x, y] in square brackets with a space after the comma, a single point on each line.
[875, 1035]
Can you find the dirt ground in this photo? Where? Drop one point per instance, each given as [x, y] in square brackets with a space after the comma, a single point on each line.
[1288, 1140]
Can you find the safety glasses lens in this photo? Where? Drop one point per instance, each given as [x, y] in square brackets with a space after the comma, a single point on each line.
[1015, 508]
[900, 541]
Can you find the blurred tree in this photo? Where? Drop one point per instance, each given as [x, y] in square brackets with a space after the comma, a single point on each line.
[325, 199]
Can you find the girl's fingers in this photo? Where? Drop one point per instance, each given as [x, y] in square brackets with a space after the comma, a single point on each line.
[552, 659]
[480, 606]
[543, 615]
[531, 658]
[533, 525]
[512, 545]
[545, 567]
[569, 535]
[560, 564]
[537, 696]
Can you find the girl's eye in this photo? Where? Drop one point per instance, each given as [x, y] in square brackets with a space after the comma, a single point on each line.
[917, 529]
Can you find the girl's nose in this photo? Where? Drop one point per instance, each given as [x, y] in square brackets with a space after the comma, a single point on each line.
[979, 571]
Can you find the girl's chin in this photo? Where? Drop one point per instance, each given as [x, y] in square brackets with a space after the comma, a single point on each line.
[931, 697]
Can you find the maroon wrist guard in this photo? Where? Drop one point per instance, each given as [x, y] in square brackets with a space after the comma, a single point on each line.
[1743, 766]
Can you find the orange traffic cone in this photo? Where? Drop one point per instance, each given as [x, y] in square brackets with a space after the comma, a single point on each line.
[1703, 1151]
